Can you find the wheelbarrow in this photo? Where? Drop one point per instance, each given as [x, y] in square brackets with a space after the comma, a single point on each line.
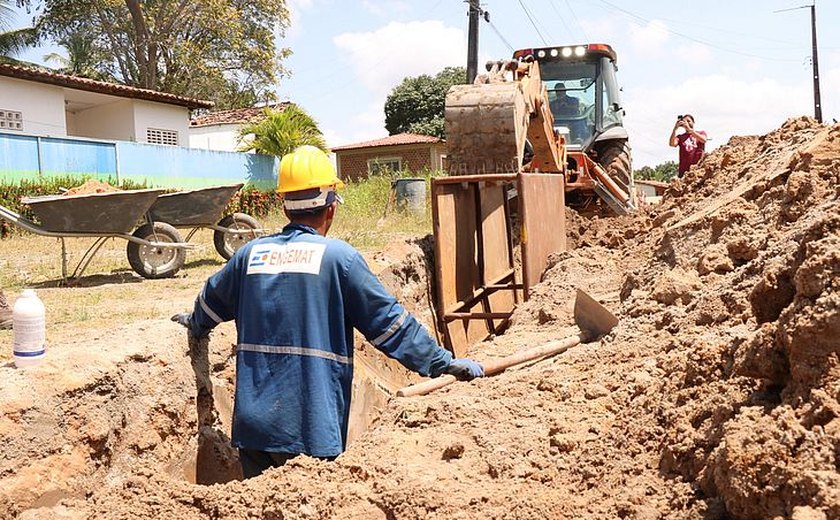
[202, 208]
[154, 250]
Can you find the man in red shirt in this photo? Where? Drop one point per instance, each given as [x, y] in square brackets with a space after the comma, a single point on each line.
[692, 143]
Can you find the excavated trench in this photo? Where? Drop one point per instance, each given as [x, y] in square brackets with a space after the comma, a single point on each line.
[140, 404]
[717, 396]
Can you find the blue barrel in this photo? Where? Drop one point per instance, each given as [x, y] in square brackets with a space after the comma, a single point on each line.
[411, 194]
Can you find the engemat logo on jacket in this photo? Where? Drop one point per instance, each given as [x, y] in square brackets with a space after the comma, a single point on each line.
[296, 257]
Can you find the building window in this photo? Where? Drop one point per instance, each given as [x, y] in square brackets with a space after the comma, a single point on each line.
[159, 136]
[384, 165]
[11, 120]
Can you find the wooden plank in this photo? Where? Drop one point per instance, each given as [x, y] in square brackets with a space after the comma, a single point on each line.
[454, 219]
[472, 250]
[543, 211]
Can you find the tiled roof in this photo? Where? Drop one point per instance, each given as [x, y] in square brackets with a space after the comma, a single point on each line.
[43, 75]
[235, 116]
[391, 140]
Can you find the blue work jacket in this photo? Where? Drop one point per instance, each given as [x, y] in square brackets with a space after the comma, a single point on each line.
[296, 297]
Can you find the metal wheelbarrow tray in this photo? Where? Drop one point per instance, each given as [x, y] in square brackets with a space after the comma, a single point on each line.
[97, 213]
[203, 208]
[154, 250]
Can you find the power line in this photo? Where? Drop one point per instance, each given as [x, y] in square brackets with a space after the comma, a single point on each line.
[499, 34]
[533, 23]
[563, 20]
[580, 25]
[697, 40]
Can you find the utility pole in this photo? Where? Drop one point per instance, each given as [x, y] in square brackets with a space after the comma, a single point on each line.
[472, 41]
[814, 60]
[815, 63]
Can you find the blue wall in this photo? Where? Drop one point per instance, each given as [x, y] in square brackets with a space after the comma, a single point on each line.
[31, 157]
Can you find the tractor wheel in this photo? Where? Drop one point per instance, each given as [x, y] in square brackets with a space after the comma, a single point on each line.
[156, 262]
[241, 229]
[615, 158]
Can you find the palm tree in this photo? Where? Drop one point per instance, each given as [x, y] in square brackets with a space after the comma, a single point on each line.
[281, 131]
[13, 42]
[80, 60]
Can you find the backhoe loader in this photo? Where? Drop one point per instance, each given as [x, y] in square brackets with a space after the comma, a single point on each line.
[493, 125]
[533, 134]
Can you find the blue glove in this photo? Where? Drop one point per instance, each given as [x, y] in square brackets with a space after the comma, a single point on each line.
[464, 369]
[185, 319]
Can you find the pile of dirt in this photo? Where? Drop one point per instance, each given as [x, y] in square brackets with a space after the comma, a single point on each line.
[91, 186]
[717, 396]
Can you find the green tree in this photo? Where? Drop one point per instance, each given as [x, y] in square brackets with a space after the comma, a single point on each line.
[663, 172]
[81, 57]
[281, 131]
[416, 105]
[209, 49]
[15, 41]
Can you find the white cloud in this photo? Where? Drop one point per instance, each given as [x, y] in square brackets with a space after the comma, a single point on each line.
[649, 39]
[383, 58]
[722, 106]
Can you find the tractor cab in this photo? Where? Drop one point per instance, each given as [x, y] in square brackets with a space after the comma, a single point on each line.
[582, 90]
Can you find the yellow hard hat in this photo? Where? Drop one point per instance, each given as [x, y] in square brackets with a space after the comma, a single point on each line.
[306, 168]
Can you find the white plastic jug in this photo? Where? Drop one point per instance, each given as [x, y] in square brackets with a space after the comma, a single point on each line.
[29, 326]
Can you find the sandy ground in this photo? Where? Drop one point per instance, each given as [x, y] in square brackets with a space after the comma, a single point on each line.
[716, 397]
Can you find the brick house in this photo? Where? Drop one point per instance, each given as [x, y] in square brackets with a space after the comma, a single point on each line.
[410, 152]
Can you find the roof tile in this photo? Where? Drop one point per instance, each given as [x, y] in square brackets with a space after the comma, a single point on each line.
[235, 116]
[43, 75]
[391, 140]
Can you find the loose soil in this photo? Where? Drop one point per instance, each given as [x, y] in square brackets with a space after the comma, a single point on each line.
[716, 397]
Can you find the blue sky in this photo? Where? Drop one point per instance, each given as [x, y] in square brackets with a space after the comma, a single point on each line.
[739, 67]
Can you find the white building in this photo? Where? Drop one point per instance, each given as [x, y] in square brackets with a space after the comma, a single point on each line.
[220, 130]
[41, 102]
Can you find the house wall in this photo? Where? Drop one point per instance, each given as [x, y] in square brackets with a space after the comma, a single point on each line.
[42, 105]
[108, 121]
[148, 114]
[353, 164]
[214, 137]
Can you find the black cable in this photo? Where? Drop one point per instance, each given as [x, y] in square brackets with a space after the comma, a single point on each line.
[697, 40]
[499, 34]
[533, 23]
[574, 15]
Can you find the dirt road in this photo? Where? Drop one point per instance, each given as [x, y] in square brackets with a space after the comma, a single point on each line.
[717, 396]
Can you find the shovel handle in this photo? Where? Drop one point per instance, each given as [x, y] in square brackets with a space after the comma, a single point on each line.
[426, 386]
[494, 366]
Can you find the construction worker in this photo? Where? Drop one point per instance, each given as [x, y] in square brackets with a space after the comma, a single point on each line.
[296, 297]
[5, 312]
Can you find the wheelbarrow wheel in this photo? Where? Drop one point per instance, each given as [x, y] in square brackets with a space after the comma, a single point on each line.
[156, 262]
[241, 229]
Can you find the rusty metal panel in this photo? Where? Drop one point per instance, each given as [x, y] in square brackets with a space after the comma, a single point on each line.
[542, 207]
